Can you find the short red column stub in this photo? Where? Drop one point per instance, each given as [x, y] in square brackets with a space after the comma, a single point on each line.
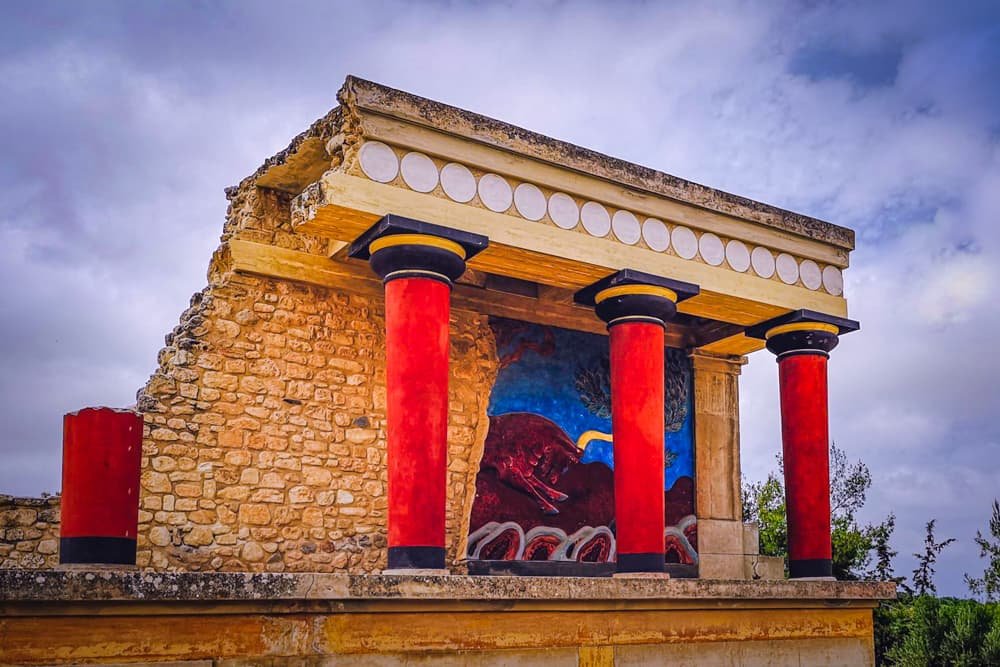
[102, 450]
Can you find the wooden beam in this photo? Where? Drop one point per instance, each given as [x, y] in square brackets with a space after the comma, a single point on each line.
[737, 344]
[551, 256]
[274, 262]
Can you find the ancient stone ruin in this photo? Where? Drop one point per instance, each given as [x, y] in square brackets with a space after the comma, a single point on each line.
[461, 390]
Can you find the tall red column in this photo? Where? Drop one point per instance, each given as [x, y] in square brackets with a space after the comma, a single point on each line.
[417, 263]
[416, 339]
[636, 307]
[802, 342]
[805, 439]
[637, 366]
[102, 448]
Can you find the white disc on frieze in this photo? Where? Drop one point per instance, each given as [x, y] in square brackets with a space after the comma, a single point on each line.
[833, 280]
[811, 275]
[626, 227]
[788, 268]
[711, 249]
[458, 182]
[563, 210]
[495, 192]
[378, 161]
[419, 172]
[530, 201]
[737, 255]
[762, 261]
[655, 234]
[595, 219]
[685, 242]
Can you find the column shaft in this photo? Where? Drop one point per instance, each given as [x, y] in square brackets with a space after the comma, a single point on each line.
[805, 443]
[418, 263]
[102, 450]
[637, 306]
[637, 367]
[417, 311]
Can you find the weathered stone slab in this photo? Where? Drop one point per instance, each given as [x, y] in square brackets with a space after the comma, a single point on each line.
[81, 585]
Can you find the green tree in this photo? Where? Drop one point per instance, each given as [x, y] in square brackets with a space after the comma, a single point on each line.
[926, 630]
[988, 585]
[923, 574]
[884, 553]
[764, 503]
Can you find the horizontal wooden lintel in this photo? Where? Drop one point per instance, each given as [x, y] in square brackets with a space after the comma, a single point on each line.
[345, 206]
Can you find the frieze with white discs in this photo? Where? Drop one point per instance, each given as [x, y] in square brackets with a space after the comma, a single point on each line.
[500, 194]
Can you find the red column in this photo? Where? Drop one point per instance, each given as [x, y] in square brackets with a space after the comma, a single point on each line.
[102, 448]
[805, 441]
[417, 262]
[636, 307]
[637, 366]
[416, 318]
[802, 350]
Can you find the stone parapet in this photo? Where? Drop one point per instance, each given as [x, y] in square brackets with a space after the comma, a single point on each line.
[131, 585]
[321, 619]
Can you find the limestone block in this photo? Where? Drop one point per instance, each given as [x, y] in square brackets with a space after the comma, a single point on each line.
[255, 514]
[159, 536]
[717, 439]
[199, 536]
[721, 566]
[771, 568]
[751, 538]
[50, 546]
[155, 482]
[23, 517]
[718, 536]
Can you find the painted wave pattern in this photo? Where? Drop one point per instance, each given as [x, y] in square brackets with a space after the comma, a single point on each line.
[590, 544]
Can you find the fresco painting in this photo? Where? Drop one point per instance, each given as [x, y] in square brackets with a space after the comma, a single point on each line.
[545, 488]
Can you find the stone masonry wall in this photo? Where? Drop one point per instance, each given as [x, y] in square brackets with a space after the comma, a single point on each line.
[264, 439]
[29, 532]
[264, 446]
[265, 431]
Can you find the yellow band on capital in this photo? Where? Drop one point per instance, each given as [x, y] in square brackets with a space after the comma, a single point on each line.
[416, 239]
[802, 326]
[628, 290]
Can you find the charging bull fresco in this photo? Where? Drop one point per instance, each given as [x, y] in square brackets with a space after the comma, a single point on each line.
[545, 488]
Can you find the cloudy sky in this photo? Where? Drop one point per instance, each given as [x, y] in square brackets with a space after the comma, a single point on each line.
[121, 123]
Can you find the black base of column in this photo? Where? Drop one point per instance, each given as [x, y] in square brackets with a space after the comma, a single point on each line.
[96, 551]
[815, 567]
[653, 562]
[416, 558]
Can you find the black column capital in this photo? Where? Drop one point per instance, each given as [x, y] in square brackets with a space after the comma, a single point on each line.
[633, 296]
[802, 332]
[398, 247]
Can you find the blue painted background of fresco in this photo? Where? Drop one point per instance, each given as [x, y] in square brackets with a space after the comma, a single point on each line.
[544, 385]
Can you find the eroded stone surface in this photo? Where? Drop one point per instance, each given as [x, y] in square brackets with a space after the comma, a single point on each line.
[29, 532]
[134, 585]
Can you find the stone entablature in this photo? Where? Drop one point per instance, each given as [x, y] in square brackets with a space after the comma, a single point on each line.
[526, 201]
[556, 214]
